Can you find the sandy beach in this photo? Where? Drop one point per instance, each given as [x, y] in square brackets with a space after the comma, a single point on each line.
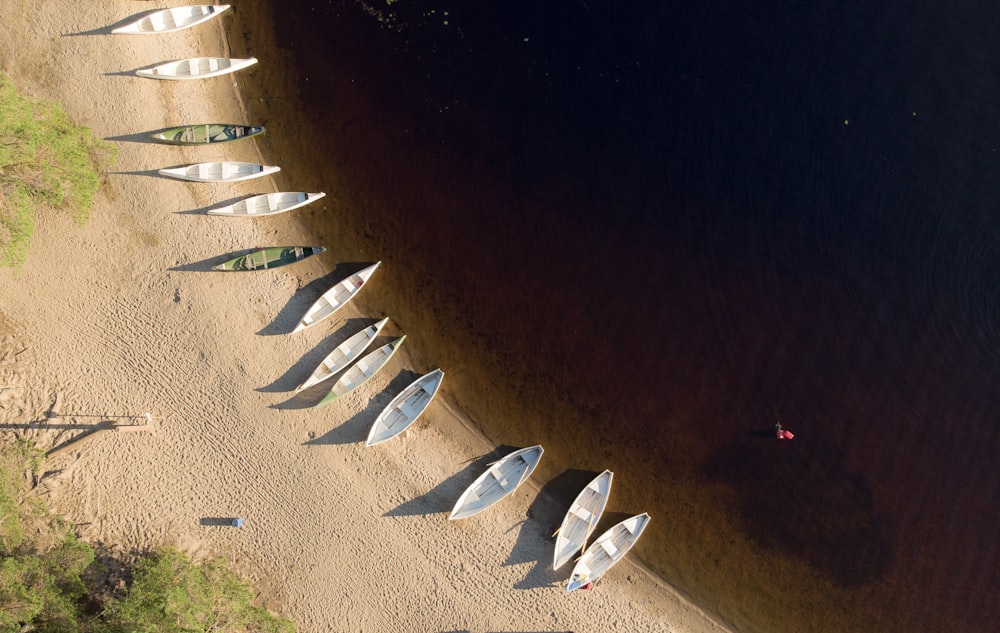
[124, 316]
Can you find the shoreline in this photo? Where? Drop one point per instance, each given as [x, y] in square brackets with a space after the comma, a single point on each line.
[156, 331]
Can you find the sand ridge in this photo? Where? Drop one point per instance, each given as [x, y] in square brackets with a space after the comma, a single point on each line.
[123, 316]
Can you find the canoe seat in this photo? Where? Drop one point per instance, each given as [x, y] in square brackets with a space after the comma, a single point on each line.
[408, 410]
[610, 548]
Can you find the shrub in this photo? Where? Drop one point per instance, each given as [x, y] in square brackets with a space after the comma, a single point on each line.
[44, 158]
[48, 577]
[170, 594]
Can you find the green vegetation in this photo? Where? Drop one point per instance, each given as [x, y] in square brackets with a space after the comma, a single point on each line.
[171, 595]
[44, 159]
[51, 582]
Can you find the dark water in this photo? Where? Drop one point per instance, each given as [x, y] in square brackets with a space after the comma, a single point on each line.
[640, 233]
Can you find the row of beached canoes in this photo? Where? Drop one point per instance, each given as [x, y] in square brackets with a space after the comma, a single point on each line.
[345, 362]
[504, 476]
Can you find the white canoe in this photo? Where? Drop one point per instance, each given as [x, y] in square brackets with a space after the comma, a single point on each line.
[608, 549]
[344, 355]
[360, 372]
[196, 68]
[405, 408]
[500, 479]
[336, 297]
[582, 518]
[219, 171]
[267, 204]
[175, 19]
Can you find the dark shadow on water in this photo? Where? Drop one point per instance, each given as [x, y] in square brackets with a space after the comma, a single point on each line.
[300, 371]
[289, 316]
[536, 540]
[442, 497]
[800, 498]
[608, 520]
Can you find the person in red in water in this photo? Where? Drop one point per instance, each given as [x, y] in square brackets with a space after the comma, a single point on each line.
[782, 433]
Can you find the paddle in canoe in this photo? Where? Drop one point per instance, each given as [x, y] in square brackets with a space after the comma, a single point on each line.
[205, 133]
[270, 258]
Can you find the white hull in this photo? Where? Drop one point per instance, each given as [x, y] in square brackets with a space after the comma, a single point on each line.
[405, 408]
[500, 479]
[608, 549]
[267, 204]
[336, 297]
[582, 518]
[343, 355]
[175, 19]
[196, 68]
[219, 171]
[360, 372]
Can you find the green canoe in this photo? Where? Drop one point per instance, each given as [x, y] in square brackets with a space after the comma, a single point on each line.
[359, 373]
[205, 133]
[270, 258]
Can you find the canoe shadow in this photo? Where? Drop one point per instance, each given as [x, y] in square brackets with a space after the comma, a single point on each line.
[219, 203]
[288, 317]
[134, 72]
[536, 539]
[297, 373]
[309, 397]
[217, 521]
[356, 428]
[152, 173]
[207, 265]
[129, 73]
[139, 137]
[442, 497]
[106, 30]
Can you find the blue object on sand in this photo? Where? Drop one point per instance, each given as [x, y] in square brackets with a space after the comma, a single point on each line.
[237, 522]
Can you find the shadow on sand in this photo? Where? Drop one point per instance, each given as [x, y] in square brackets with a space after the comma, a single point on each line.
[311, 396]
[221, 203]
[442, 497]
[217, 521]
[139, 137]
[355, 429]
[536, 540]
[300, 371]
[151, 173]
[106, 30]
[207, 265]
[289, 316]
